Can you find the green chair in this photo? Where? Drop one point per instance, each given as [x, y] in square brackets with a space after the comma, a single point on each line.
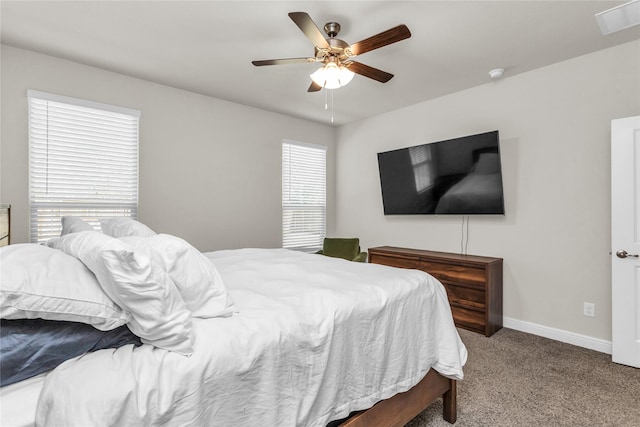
[348, 249]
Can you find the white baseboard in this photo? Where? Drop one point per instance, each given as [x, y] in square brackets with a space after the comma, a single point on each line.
[585, 341]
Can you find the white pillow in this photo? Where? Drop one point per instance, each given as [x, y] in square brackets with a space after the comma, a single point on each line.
[158, 313]
[40, 282]
[195, 276]
[73, 224]
[124, 226]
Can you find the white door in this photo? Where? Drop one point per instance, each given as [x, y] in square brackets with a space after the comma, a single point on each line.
[625, 240]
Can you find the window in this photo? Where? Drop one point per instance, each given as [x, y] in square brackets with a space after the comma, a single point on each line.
[83, 161]
[303, 195]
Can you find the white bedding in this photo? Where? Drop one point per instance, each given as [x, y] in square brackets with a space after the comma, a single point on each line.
[314, 339]
[18, 402]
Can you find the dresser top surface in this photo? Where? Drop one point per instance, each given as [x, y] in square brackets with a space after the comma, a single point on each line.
[392, 250]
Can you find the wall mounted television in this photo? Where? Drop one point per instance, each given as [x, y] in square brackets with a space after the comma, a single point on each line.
[461, 176]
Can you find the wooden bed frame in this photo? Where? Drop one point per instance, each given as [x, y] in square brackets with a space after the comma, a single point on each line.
[403, 407]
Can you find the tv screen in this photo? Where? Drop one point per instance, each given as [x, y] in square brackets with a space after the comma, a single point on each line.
[460, 176]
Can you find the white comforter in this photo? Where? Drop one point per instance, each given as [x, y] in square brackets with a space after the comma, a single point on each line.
[314, 339]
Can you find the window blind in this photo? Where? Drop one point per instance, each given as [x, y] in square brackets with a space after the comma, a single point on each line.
[303, 196]
[83, 161]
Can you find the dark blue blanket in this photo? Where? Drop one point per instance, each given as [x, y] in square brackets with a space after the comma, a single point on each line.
[29, 347]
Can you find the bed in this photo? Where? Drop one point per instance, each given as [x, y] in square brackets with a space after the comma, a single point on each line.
[300, 340]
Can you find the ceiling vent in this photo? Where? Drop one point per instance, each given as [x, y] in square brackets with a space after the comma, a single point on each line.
[619, 18]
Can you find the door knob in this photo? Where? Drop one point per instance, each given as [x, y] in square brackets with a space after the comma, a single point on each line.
[623, 254]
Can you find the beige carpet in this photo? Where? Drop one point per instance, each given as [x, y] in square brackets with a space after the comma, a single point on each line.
[518, 379]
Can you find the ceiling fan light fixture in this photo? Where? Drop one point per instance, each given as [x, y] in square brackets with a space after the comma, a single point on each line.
[332, 76]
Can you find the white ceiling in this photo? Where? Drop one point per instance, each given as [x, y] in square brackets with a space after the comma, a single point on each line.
[207, 46]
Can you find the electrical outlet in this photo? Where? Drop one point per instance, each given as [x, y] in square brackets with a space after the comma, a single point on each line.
[589, 309]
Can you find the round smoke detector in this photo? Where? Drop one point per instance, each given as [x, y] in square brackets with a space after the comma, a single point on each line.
[496, 73]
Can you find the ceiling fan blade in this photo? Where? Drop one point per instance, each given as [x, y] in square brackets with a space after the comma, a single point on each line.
[390, 36]
[367, 71]
[314, 87]
[309, 28]
[282, 61]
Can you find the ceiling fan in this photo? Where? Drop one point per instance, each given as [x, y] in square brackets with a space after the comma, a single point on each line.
[336, 55]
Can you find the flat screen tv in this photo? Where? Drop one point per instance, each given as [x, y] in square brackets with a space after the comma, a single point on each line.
[461, 176]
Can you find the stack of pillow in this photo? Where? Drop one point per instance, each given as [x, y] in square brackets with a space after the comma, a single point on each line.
[125, 275]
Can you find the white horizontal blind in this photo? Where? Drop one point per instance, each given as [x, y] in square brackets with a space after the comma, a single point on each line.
[303, 196]
[83, 161]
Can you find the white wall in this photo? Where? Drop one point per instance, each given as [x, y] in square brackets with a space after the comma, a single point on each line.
[210, 170]
[554, 128]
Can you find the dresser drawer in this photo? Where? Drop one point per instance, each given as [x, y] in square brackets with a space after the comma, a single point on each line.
[395, 261]
[455, 273]
[469, 319]
[466, 296]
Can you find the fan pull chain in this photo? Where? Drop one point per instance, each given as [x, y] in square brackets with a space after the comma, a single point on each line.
[326, 102]
[332, 107]
[326, 107]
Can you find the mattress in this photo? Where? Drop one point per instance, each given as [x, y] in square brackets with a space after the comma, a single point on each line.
[314, 338]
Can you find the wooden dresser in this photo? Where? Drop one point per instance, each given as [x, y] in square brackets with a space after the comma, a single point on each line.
[473, 283]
